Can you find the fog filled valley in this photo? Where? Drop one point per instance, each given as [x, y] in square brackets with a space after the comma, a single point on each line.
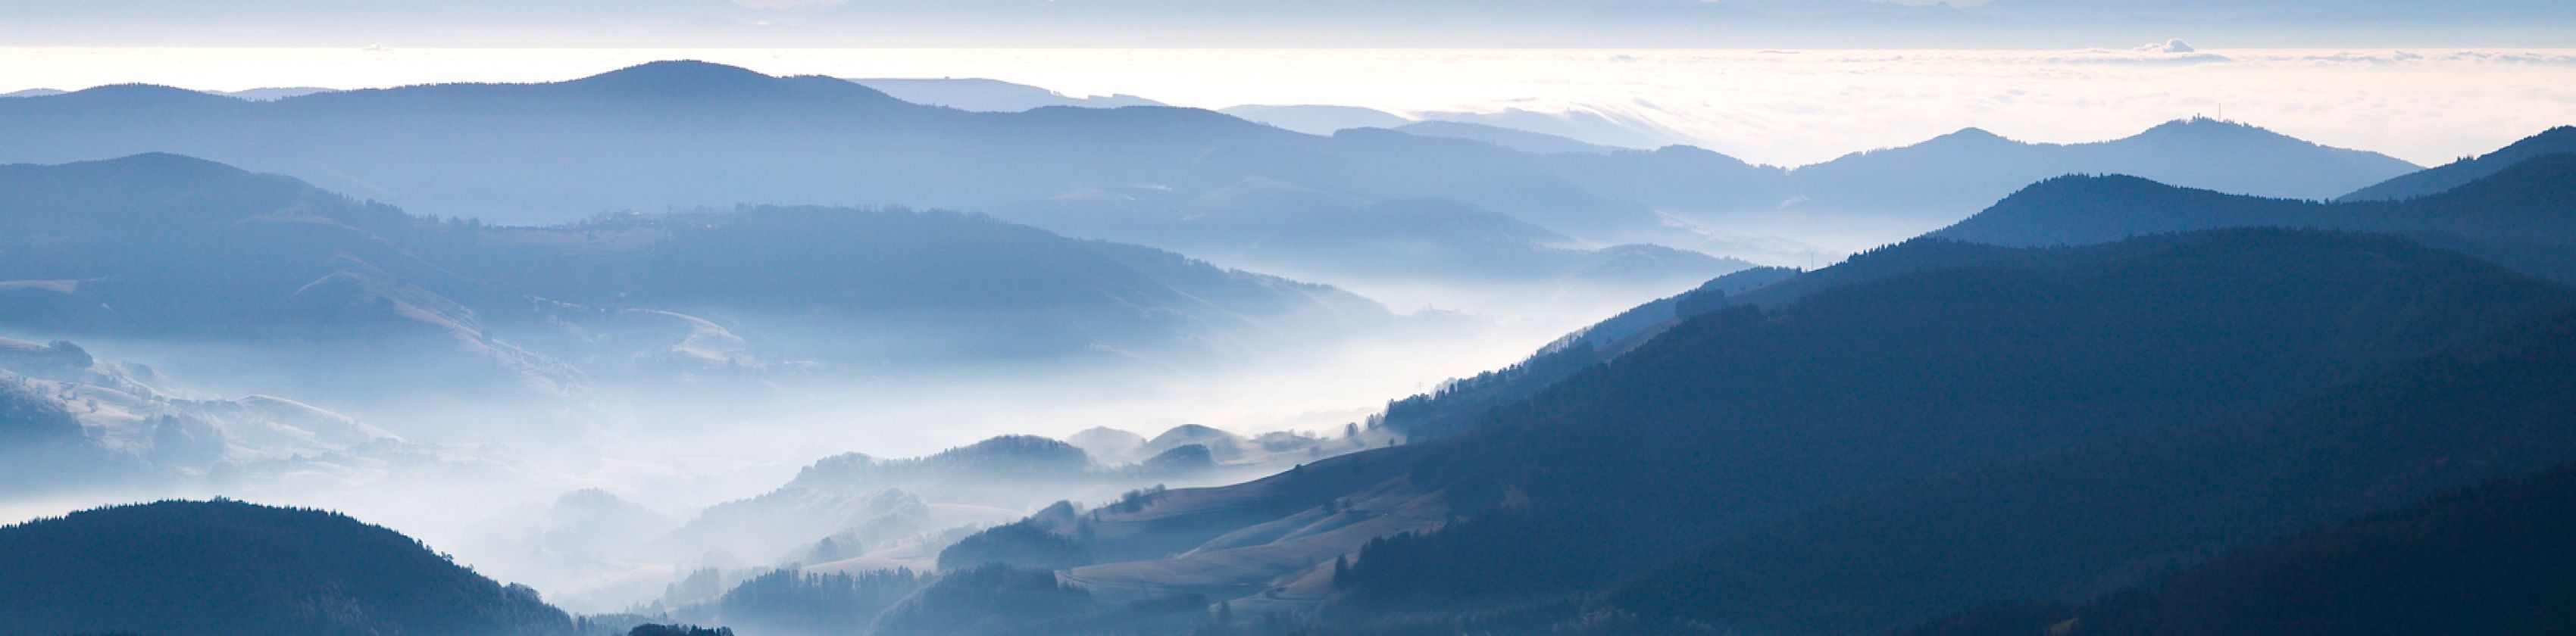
[686, 347]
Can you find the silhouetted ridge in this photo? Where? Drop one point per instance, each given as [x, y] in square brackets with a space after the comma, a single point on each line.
[2519, 216]
[676, 76]
[229, 568]
[1972, 168]
[2559, 140]
[139, 96]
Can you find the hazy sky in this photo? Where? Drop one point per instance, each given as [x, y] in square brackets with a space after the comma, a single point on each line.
[1298, 23]
[1779, 107]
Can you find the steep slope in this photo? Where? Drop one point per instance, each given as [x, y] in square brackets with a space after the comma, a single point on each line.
[2523, 216]
[2488, 560]
[2067, 525]
[1744, 415]
[1463, 403]
[226, 567]
[2435, 180]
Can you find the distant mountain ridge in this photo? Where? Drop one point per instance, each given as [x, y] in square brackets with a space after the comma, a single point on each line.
[2560, 140]
[2519, 216]
[684, 135]
[691, 134]
[1969, 169]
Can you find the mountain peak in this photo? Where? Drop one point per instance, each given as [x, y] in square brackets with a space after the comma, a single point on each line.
[678, 75]
[2206, 127]
[142, 94]
[1973, 133]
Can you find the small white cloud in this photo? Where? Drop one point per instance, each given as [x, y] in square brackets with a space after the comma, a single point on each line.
[2168, 46]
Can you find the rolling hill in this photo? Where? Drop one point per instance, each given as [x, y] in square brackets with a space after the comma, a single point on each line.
[165, 247]
[690, 134]
[226, 567]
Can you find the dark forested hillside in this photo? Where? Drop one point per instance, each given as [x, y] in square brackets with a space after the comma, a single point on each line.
[2067, 525]
[1741, 416]
[2492, 559]
[2522, 216]
[1466, 402]
[2439, 179]
[226, 567]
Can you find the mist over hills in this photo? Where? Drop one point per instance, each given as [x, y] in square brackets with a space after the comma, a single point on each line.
[1618, 467]
[1968, 169]
[72, 424]
[689, 134]
[169, 247]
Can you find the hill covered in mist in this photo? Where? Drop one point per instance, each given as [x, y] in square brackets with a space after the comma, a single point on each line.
[168, 247]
